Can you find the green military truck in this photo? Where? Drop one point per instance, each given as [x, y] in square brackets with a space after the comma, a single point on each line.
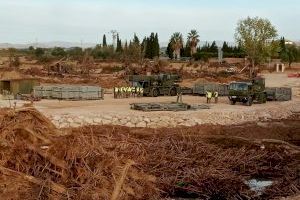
[156, 85]
[248, 92]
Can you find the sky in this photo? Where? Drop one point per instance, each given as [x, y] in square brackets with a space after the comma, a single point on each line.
[27, 21]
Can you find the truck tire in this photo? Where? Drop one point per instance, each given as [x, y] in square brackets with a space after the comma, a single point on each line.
[249, 102]
[264, 97]
[173, 92]
[155, 93]
[232, 102]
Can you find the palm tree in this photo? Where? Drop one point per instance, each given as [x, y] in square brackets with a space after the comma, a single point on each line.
[176, 44]
[193, 40]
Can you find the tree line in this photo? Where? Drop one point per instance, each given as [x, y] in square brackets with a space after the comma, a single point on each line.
[256, 40]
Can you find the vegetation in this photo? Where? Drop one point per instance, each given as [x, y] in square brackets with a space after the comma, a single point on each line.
[289, 52]
[256, 39]
[193, 40]
[176, 44]
[255, 36]
[104, 43]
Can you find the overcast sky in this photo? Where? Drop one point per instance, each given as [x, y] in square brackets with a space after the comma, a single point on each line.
[24, 21]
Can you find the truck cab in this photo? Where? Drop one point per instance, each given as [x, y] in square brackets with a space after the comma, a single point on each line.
[248, 91]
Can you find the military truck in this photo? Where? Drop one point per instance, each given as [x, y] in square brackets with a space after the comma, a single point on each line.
[156, 85]
[248, 92]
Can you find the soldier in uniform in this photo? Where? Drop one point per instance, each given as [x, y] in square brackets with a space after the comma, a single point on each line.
[116, 91]
[216, 96]
[128, 92]
[179, 97]
[133, 90]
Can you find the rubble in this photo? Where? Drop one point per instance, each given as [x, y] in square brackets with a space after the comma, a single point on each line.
[39, 161]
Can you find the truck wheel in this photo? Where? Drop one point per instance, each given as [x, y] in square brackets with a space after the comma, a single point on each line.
[249, 102]
[232, 102]
[155, 92]
[173, 92]
[264, 98]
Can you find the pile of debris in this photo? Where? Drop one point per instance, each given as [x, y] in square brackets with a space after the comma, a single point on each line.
[112, 162]
[40, 162]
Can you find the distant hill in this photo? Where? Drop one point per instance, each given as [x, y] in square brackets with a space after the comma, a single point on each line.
[78, 44]
[48, 45]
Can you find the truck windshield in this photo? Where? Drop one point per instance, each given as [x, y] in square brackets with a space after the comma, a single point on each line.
[137, 84]
[238, 86]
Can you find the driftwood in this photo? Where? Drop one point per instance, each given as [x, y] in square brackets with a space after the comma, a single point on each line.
[53, 186]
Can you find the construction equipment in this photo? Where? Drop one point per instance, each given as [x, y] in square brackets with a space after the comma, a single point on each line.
[248, 91]
[156, 85]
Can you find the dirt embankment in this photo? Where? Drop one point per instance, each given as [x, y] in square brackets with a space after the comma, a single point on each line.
[114, 162]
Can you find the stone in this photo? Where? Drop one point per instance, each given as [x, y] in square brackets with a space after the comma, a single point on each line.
[123, 121]
[77, 120]
[107, 117]
[198, 121]
[106, 122]
[63, 125]
[115, 119]
[147, 120]
[70, 120]
[74, 125]
[129, 124]
[88, 120]
[56, 117]
[141, 124]
[155, 119]
[98, 120]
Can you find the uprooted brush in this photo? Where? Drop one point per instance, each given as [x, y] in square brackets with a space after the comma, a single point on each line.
[39, 161]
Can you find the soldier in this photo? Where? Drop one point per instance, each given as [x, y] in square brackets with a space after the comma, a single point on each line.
[179, 97]
[216, 96]
[208, 96]
[128, 92]
[133, 90]
[116, 91]
[141, 91]
[121, 92]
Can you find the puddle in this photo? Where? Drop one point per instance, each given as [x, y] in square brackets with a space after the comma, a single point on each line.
[258, 185]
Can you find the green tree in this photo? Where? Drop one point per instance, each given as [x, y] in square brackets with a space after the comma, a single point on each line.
[104, 43]
[226, 48]
[156, 46]
[213, 47]
[291, 54]
[58, 52]
[39, 52]
[75, 52]
[119, 48]
[176, 44]
[254, 36]
[151, 46]
[193, 40]
[169, 51]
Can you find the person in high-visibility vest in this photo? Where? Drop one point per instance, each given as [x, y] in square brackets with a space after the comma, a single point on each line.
[141, 91]
[133, 91]
[208, 96]
[121, 92]
[116, 91]
[216, 96]
[128, 92]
